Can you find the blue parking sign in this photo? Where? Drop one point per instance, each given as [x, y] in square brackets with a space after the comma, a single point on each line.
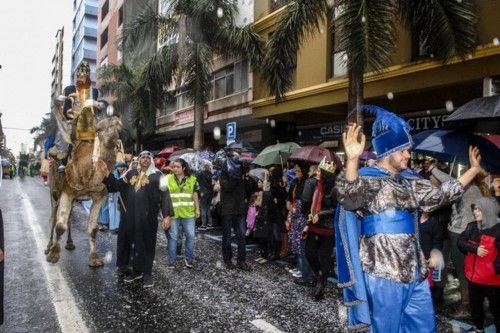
[231, 131]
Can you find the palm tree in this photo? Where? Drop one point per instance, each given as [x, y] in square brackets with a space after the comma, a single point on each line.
[196, 31]
[47, 127]
[134, 102]
[367, 31]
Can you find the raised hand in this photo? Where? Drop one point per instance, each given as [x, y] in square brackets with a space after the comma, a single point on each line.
[354, 143]
[474, 157]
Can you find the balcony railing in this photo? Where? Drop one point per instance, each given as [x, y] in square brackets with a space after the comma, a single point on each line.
[277, 4]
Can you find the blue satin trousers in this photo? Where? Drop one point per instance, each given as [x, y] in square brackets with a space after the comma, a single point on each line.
[399, 307]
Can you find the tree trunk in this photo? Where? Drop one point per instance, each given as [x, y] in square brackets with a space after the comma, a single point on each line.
[198, 126]
[355, 97]
[138, 138]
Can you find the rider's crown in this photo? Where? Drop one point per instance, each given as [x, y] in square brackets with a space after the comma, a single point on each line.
[83, 69]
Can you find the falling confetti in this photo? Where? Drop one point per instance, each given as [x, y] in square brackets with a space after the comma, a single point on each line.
[390, 95]
[496, 42]
[363, 19]
[108, 257]
[345, 57]
[220, 12]
[449, 106]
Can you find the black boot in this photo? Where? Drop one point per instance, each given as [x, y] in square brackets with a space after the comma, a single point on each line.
[319, 290]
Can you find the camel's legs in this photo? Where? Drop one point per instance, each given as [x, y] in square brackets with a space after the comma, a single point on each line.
[63, 213]
[69, 242]
[97, 202]
[52, 223]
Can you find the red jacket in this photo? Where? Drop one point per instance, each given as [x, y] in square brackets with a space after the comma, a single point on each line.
[481, 270]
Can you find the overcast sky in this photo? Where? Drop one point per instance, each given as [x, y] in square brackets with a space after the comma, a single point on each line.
[27, 45]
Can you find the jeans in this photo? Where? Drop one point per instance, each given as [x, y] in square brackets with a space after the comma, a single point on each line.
[238, 223]
[206, 216]
[304, 268]
[188, 225]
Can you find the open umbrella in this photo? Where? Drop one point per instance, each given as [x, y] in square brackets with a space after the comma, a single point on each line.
[258, 173]
[195, 161]
[481, 115]
[167, 151]
[179, 153]
[276, 154]
[244, 146]
[314, 154]
[450, 146]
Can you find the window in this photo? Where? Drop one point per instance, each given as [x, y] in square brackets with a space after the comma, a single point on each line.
[120, 16]
[230, 79]
[104, 37]
[104, 10]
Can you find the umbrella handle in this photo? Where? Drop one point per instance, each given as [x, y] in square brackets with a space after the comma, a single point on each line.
[453, 164]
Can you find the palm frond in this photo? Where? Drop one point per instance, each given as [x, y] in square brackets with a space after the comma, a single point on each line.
[198, 74]
[240, 41]
[366, 31]
[299, 19]
[159, 72]
[147, 23]
[448, 27]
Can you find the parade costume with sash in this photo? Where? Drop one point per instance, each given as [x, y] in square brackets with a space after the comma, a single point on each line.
[380, 264]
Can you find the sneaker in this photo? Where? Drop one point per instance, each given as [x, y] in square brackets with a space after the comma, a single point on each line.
[297, 275]
[133, 277]
[229, 264]
[202, 228]
[188, 263]
[243, 266]
[171, 265]
[147, 282]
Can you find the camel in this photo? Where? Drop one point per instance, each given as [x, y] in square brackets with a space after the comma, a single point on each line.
[80, 181]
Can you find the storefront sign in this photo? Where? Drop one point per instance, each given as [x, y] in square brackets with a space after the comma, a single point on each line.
[335, 129]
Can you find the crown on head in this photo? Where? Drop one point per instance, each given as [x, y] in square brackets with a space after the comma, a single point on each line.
[327, 165]
[83, 69]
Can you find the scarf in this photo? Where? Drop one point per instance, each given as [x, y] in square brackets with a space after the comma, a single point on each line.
[317, 200]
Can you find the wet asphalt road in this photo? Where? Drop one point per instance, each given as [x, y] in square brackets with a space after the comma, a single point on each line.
[207, 299]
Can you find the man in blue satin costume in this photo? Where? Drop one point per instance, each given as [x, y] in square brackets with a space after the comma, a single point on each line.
[380, 264]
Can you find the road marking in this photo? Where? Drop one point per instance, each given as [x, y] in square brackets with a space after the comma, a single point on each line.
[68, 314]
[265, 326]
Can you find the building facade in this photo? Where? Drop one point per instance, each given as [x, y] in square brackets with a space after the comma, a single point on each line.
[232, 91]
[414, 85]
[56, 86]
[109, 29]
[84, 35]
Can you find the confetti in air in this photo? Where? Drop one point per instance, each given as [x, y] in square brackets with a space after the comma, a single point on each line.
[220, 12]
[449, 106]
[108, 257]
[390, 95]
[496, 42]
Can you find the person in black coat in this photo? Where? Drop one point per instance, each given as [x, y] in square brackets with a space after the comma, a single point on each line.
[233, 213]
[431, 238]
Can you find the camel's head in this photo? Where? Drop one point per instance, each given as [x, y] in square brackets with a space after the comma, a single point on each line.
[108, 131]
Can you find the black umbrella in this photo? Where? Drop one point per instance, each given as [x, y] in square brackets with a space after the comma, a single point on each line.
[481, 115]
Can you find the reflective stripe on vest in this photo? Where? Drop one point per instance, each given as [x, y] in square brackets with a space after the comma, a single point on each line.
[182, 196]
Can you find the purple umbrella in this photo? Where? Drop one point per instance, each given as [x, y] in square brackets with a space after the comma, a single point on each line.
[368, 155]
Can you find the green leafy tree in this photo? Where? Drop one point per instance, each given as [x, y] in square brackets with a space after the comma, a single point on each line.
[47, 127]
[196, 31]
[134, 101]
[367, 30]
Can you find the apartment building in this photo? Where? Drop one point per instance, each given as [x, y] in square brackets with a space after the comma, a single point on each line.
[56, 85]
[84, 35]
